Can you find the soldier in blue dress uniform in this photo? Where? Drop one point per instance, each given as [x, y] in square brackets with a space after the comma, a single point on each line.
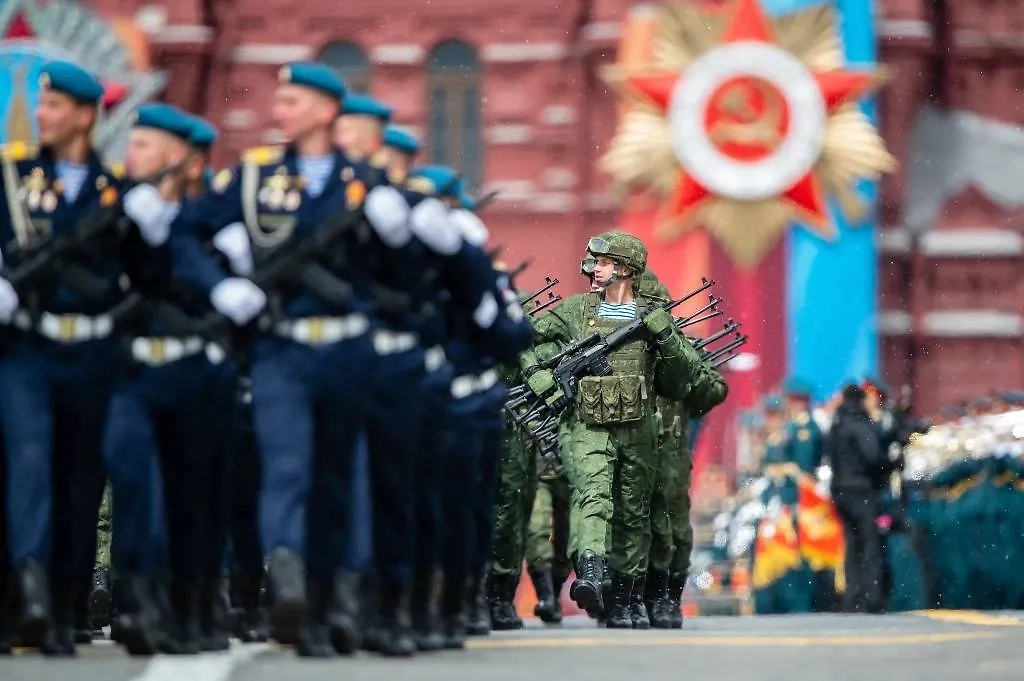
[57, 373]
[359, 129]
[312, 354]
[402, 148]
[199, 175]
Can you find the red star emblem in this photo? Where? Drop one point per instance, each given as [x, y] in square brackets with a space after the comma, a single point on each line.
[749, 24]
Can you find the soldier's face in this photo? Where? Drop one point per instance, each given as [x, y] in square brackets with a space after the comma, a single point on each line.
[150, 151]
[359, 136]
[61, 118]
[298, 110]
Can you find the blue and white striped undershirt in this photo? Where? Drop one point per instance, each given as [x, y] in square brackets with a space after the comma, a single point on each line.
[72, 177]
[315, 170]
[624, 311]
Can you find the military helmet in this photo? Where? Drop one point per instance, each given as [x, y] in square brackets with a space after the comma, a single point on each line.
[648, 284]
[620, 247]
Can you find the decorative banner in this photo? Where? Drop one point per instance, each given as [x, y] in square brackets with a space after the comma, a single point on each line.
[819, 529]
[35, 32]
[742, 124]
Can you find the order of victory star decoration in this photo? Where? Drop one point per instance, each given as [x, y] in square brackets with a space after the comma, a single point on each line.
[744, 123]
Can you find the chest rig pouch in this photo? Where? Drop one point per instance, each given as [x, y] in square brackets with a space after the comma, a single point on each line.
[622, 396]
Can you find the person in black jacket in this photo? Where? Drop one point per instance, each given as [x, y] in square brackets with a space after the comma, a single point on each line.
[857, 458]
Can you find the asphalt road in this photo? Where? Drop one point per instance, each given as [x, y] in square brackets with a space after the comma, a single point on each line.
[931, 646]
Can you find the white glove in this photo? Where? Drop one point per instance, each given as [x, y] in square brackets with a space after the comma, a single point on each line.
[431, 222]
[486, 311]
[8, 301]
[151, 212]
[238, 299]
[470, 226]
[388, 213]
[233, 242]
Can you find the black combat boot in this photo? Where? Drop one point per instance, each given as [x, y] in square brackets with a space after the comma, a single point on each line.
[676, 583]
[619, 616]
[185, 595]
[370, 607]
[139, 622]
[395, 623]
[250, 616]
[343, 616]
[656, 599]
[36, 615]
[61, 641]
[501, 601]
[456, 600]
[100, 598]
[287, 582]
[637, 609]
[478, 616]
[426, 620]
[587, 588]
[314, 636]
[547, 608]
[213, 613]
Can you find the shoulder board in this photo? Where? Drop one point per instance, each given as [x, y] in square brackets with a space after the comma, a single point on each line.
[262, 156]
[117, 170]
[379, 159]
[420, 185]
[19, 151]
[222, 180]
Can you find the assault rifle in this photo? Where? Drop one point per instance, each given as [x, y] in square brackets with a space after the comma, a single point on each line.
[553, 298]
[549, 283]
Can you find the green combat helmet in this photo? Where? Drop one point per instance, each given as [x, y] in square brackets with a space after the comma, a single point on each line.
[648, 285]
[619, 246]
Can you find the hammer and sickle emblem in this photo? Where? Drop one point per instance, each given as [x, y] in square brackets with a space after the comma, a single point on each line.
[741, 121]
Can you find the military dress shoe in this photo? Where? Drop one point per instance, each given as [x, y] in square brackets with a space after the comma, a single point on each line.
[343, 615]
[314, 635]
[36, 616]
[426, 619]
[250, 620]
[395, 623]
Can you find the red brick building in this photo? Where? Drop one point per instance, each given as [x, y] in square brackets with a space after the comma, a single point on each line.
[509, 92]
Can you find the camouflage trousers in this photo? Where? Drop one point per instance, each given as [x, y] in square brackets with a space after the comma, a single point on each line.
[103, 534]
[517, 486]
[547, 540]
[611, 472]
[671, 531]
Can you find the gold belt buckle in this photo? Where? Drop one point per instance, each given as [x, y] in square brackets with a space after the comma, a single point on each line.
[316, 329]
[157, 349]
[66, 329]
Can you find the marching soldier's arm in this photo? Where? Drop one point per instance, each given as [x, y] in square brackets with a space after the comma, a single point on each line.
[707, 392]
[220, 207]
[552, 332]
[678, 366]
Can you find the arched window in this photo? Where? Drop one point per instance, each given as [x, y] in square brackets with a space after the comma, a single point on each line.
[455, 109]
[350, 61]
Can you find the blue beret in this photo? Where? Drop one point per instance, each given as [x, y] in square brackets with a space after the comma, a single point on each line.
[403, 140]
[166, 117]
[203, 133]
[798, 387]
[365, 105]
[72, 80]
[773, 403]
[314, 75]
[442, 181]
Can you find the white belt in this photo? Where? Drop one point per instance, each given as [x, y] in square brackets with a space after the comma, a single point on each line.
[471, 384]
[434, 358]
[392, 342]
[322, 330]
[67, 328]
[158, 351]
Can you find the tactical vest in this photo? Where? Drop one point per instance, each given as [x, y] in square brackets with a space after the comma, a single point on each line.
[623, 396]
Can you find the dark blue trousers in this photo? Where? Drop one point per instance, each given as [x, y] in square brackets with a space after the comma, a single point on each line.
[491, 423]
[432, 469]
[309, 404]
[244, 493]
[164, 446]
[358, 557]
[393, 437]
[53, 404]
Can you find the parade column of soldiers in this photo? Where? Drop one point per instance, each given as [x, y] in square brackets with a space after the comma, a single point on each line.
[224, 350]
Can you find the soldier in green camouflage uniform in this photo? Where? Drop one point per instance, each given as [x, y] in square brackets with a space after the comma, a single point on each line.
[671, 532]
[610, 431]
[547, 542]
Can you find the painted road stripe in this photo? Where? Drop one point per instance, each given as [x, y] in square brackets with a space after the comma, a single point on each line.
[729, 641]
[203, 667]
[981, 619]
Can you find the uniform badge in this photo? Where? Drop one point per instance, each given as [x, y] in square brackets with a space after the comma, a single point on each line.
[592, 322]
[292, 200]
[274, 187]
[347, 174]
[803, 435]
[49, 201]
[101, 183]
[108, 197]
[355, 192]
[221, 181]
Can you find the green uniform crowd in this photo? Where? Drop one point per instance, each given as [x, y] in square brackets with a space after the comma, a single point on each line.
[617, 509]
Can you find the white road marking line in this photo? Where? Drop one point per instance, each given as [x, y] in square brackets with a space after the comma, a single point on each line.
[202, 667]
